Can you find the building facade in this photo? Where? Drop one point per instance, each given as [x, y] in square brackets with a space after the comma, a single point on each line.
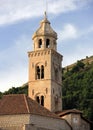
[75, 119]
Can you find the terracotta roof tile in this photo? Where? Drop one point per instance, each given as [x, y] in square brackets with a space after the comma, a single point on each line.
[65, 112]
[13, 104]
[21, 104]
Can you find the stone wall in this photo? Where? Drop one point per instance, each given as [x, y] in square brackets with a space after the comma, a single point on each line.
[13, 122]
[49, 123]
[77, 122]
[32, 122]
[31, 127]
[85, 125]
[12, 128]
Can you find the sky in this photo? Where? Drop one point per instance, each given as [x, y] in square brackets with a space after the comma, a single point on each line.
[19, 19]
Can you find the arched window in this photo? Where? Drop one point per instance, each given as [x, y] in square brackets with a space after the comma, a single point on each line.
[37, 99]
[40, 43]
[42, 100]
[42, 72]
[47, 43]
[38, 72]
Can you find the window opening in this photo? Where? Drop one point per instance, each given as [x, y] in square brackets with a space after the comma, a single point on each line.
[37, 99]
[56, 74]
[40, 43]
[42, 72]
[42, 100]
[47, 43]
[38, 72]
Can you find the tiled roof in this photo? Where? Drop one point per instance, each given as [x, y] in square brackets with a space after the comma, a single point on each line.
[21, 104]
[75, 111]
[65, 112]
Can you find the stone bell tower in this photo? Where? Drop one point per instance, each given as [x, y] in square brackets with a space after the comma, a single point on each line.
[45, 68]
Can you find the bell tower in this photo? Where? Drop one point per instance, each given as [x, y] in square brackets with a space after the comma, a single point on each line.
[45, 68]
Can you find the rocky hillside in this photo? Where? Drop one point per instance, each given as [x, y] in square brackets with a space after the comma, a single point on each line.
[86, 61]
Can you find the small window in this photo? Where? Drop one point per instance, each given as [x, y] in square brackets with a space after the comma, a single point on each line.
[42, 100]
[38, 72]
[75, 120]
[47, 43]
[56, 74]
[42, 72]
[37, 99]
[40, 43]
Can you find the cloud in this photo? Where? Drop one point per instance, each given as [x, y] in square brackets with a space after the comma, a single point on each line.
[14, 63]
[69, 31]
[59, 6]
[72, 32]
[12, 11]
[78, 53]
[75, 43]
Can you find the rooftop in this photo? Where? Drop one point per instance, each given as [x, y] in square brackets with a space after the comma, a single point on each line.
[22, 104]
[45, 29]
[65, 112]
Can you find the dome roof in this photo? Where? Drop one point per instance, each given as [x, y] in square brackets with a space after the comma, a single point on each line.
[45, 29]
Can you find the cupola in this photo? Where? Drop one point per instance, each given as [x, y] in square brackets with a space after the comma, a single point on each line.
[45, 37]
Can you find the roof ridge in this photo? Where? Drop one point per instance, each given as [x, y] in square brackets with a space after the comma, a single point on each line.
[13, 95]
[26, 102]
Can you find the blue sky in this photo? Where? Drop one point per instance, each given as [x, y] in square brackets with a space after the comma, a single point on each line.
[19, 19]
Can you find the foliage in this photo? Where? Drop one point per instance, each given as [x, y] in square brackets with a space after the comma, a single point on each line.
[18, 90]
[77, 89]
[1, 94]
[79, 66]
